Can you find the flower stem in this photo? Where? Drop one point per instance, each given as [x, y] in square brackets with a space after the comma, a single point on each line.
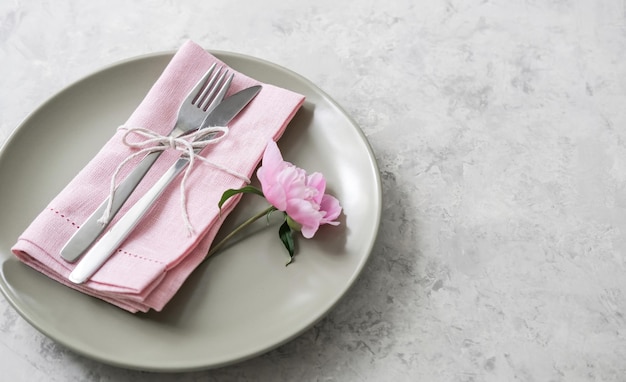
[243, 225]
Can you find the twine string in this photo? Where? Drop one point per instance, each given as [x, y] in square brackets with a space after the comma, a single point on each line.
[190, 145]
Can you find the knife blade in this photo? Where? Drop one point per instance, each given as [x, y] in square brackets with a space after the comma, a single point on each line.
[91, 229]
[110, 241]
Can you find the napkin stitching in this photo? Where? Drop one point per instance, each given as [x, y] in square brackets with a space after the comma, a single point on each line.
[64, 217]
[141, 257]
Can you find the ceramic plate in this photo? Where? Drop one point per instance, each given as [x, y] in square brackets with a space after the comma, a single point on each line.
[243, 301]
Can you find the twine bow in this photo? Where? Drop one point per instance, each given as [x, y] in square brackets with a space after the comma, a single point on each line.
[190, 145]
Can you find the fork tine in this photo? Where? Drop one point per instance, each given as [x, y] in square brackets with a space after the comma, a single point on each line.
[208, 90]
[221, 93]
[197, 90]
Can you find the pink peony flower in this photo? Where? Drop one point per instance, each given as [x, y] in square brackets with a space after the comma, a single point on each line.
[300, 196]
[287, 188]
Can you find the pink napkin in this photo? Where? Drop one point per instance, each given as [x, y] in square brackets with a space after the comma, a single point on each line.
[154, 261]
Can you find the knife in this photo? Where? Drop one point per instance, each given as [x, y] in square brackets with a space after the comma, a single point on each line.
[91, 228]
[110, 241]
[89, 231]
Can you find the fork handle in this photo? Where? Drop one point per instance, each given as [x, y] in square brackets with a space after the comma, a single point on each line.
[89, 231]
[110, 241]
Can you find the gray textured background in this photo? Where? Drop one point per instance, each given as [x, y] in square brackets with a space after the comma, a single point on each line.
[498, 127]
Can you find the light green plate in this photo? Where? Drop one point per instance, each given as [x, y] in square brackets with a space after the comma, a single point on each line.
[239, 304]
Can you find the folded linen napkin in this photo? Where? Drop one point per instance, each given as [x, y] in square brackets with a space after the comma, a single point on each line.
[154, 261]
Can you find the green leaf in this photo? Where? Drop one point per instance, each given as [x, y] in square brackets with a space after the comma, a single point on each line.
[286, 236]
[293, 224]
[230, 193]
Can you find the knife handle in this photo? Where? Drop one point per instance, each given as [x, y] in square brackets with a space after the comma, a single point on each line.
[110, 241]
[89, 231]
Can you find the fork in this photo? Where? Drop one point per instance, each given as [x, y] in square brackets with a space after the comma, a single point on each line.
[200, 101]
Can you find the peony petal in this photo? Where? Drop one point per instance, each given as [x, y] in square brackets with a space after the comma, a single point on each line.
[263, 177]
[330, 205]
[309, 232]
[275, 195]
[318, 182]
[271, 165]
[305, 214]
[272, 156]
[292, 179]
